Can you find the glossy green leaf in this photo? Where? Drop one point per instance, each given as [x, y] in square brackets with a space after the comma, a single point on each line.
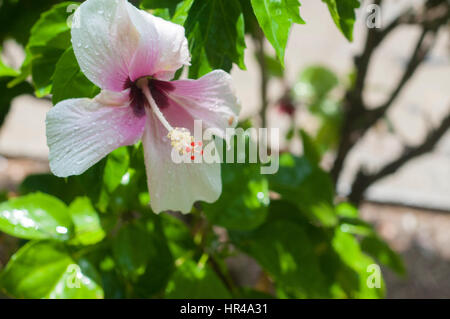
[215, 31]
[276, 18]
[49, 38]
[310, 150]
[116, 167]
[380, 250]
[356, 226]
[68, 80]
[194, 281]
[45, 269]
[36, 216]
[307, 186]
[182, 11]
[50, 184]
[140, 251]
[350, 253]
[282, 246]
[244, 202]
[124, 186]
[343, 14]
[88, 229]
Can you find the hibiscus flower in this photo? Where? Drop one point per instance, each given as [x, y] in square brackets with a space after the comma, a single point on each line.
[132, 56]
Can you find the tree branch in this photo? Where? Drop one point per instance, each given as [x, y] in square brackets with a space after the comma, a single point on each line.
[423, 47]
[357, 120]
[260, 53]
[363, 180]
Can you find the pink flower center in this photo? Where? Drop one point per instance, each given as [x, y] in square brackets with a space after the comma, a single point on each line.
[158, 89]
[153, 94]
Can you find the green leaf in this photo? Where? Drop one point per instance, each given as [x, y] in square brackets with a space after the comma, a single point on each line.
[310, 150]
[356, 226]
[88, 230]
[215, 31]
[194, 281]
[49, 38]
[276, 18]
[244, 202]
[248, 293]
[350, 253]
[116, 168]
[182, 11]
[89, 182]
[17, 18]
[141, 253]
[307, 186]
[315, 82]
[251, 23]
[159, 4]
[8, 94]
[179, 238]
[347, 210]
[69, 81]
[44, 269]
[50, 184]
[284, 248]
[343, 14]
[6, 71]
[36, 216]
[380, 250]
[329, 132]
[274, 66]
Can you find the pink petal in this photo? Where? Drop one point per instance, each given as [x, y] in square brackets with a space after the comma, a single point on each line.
[159, 54]
[80, 132]
[104, 41]
[175, 186]
[210, 99]
[114, 41]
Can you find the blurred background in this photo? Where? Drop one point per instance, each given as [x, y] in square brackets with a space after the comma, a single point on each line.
[409, 203]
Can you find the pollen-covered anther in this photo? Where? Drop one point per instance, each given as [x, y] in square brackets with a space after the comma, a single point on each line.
[181, 140]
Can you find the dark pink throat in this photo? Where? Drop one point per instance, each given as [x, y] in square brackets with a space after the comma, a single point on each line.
[158, 89]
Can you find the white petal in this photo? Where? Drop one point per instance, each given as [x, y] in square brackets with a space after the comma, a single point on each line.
[80, 132]
[104, 41]
[175, 186]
